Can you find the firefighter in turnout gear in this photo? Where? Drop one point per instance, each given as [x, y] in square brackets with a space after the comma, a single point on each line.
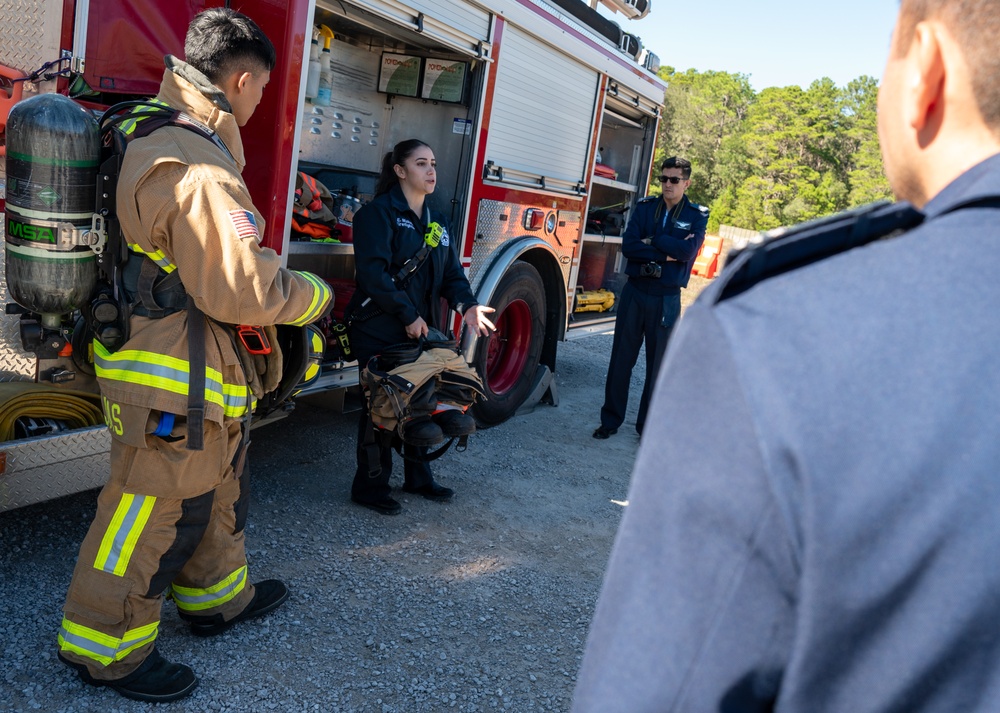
[178, 394]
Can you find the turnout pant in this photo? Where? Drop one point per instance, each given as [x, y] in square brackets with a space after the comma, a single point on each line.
[143, 542]
[641, 316]
[416, 474]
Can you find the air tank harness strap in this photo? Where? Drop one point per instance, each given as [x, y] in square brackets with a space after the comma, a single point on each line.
[159, 293]
[393, 385]
[392, 440]
[196, 379]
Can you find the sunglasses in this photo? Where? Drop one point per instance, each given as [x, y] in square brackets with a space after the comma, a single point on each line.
[671, 179]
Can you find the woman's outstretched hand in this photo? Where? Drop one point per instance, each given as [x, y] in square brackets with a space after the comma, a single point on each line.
[475, 317]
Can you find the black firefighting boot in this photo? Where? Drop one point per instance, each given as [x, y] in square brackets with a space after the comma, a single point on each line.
[268, 596]
[431, 491]
[156, 680]
[455, 423]
[422, 431]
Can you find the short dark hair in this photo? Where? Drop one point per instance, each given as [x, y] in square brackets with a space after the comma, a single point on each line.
[221, 41]
[682, 163]
[976, 25]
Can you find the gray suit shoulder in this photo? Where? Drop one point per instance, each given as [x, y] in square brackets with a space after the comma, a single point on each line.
[785, 249]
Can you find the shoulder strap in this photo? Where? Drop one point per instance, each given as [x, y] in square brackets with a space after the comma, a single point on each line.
[136, 119]
[786, 249]
[413, 264]
[120, 125]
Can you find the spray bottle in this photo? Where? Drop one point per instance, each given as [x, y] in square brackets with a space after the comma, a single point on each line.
[325, 77]
[325, 89]
[312, 79]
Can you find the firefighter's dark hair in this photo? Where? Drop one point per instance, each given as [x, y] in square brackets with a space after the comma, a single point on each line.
[221, 41]
[682, 163]
[387, 178]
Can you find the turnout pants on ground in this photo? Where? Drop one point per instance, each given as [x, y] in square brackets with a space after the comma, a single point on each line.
[143, 542]
[641, 317]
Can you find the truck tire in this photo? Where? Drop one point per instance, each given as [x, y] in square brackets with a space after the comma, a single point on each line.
[508, 358]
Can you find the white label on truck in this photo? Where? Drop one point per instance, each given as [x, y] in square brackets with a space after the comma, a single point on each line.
[462, 126]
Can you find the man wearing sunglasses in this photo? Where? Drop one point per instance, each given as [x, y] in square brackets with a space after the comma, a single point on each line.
[663, 237]
[812, 523]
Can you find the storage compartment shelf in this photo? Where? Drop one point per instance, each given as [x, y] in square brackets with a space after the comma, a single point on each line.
[620, 185]
[304, 247]
[595, 238]
[584, 324]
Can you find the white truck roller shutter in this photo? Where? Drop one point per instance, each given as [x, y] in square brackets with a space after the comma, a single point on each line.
[463, 26]
[462, 16]
[543, 116]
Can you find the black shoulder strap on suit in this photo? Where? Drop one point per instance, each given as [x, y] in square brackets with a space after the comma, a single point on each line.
[368, 309]
[413, 264]
[786, 249]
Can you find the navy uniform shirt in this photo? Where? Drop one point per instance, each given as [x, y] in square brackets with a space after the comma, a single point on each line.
[387, 233]
[818, 529]
[670, 246]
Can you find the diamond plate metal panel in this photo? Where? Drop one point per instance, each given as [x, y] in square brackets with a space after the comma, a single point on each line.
[29, 33]
[499, 222]
[15, 363]
[39, 469]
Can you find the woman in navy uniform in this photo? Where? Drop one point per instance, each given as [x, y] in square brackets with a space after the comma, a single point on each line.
[389, 232]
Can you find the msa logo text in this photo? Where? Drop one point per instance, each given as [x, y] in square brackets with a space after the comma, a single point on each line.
[34, 233]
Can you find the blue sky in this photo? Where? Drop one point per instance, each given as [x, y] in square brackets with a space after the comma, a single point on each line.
[777, 42]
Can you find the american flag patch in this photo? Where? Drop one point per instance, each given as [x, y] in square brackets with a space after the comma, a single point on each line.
[243, 221]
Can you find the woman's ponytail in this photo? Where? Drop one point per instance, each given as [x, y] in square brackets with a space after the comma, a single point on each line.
[387, 177]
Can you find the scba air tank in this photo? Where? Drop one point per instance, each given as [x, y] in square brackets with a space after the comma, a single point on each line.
[53, 153]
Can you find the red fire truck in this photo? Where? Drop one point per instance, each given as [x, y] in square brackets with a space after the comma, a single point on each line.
[542, 115]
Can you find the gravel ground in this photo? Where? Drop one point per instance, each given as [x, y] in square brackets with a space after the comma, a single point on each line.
[480, 604]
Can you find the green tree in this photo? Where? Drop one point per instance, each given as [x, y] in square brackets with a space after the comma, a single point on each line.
[776, 157]
[701, 111]
[866, 174]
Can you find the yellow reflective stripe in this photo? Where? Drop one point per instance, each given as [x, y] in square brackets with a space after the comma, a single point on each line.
[156, 256]
[104, 648]
[167, 373]
[128, 126]
[191, 599]
[126, 525]
[321, 295]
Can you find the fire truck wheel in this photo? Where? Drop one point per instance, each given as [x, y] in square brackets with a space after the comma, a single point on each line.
[508, 358]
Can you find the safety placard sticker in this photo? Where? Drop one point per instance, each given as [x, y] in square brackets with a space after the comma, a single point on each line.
[444, 81]
[461, 126]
